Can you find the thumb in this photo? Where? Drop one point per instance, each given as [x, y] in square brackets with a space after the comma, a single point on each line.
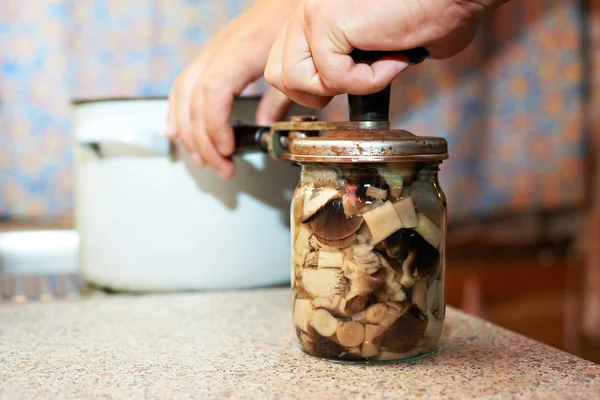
[273, 107]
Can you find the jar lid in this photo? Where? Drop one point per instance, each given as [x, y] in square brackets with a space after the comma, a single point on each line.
[367, 145]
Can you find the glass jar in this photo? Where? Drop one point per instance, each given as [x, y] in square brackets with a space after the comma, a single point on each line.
[368, 260]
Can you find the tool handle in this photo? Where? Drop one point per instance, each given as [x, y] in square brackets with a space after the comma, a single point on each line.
[376, 106]
[248, 137]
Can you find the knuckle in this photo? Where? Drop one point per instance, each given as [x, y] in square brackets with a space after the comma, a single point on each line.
[310, 11]
[331, 81]
[215, 85]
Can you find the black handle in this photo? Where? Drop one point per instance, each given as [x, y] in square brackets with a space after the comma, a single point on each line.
[376, 106]
[248, 137]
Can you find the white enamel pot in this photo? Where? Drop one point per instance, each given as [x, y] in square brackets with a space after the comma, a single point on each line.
[148, 223]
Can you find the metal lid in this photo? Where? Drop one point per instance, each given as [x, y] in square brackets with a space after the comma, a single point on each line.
[367, 145]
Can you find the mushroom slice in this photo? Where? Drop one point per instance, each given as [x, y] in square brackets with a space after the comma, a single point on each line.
[365, 258]
[369, 350]
[324, 282]
[377, 193]
[324, 323]
[298, 204]
[406, 332]
[406, 212]
[330, 260]
[350, 334]
[419, 295]
[303, 312]
[311, 259]
[407, 279]
[316, 244]
[371, 332]
[299, 259]
[375, 313]
[302, 242]
[321, 177]
[330, 223]
[399, 173]
[434, 326]
[361, 282]
[359, 317]
[405, 242]
[315, 200]
[429, 231]
[333, 304]
[394, 311]
[382, 221]
[355, 304]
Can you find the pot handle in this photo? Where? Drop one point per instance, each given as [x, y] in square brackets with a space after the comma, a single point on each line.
[154, 144]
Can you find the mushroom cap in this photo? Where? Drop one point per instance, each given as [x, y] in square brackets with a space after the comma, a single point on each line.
[340, 243]
[315, 199]
[315, 344]
[331, 223]
[405, 333]
[404, 241]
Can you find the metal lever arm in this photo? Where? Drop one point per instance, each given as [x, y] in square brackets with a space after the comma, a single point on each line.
[376, 106]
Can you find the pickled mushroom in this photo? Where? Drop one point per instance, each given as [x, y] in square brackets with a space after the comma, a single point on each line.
[419, 296]
[317, 199]
[339, 243]
[303, 311]
[324, 282]
[405, 242]
[330, 223]
[382, 222]
[350, 334]
[429, 231]
[405, 333]
[405, 209]
[324, 323]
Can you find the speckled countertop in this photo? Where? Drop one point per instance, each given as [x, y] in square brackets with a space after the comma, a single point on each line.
[241, 345]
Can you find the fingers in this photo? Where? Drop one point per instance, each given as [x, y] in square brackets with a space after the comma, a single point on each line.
[224, 167]
[310, 61]
[220, 86]
[274, 74]
[180, 101]
[219, 96]
[273, 107]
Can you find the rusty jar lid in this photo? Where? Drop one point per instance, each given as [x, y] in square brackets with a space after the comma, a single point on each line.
[367, 146]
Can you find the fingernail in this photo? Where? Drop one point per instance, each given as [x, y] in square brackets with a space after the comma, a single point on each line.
[171, 130]
[197, 160]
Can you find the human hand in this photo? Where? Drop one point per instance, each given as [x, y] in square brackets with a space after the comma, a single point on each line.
[310, 61]
[201, 99]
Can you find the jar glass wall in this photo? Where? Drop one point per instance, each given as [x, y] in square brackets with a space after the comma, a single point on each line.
[368, 260]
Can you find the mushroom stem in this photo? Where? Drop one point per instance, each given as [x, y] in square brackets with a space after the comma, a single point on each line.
[375, 313]
[350, 334]
[303, 312]
[324, 323]
[330, 260]
[382, 222]
[429, 231]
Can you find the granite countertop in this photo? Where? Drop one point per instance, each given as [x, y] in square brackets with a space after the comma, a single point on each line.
[242, 345]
